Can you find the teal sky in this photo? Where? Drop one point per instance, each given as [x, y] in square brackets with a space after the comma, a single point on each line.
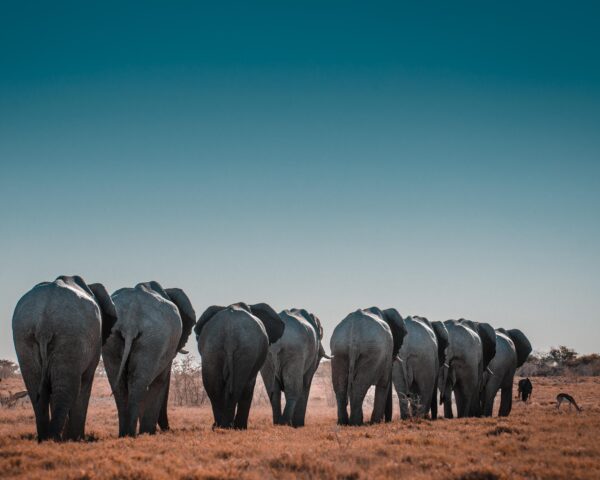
[441, 159]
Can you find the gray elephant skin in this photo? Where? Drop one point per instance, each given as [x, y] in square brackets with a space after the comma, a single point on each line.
[487, 335]
[233, 343]
[462, 374]
[153, 325]
[57, 331]
[291, 364]
[363, 347]
[416, 370]
[512, 350]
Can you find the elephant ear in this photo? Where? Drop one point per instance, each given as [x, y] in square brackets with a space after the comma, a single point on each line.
[522, 345]
[269, 318]
[107, 309]
[314, 321]
[487, 334]
[206, 316]
[186, 312]
[397, 326]
[441, 334]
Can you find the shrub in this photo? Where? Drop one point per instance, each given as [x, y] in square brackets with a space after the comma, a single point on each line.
[8, 368]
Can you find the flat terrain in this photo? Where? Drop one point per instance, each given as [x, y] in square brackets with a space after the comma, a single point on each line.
[536, 441]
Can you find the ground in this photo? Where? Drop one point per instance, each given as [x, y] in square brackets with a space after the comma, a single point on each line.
[536, 441]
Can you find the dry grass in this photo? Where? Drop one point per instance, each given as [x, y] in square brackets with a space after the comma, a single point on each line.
[535, 442]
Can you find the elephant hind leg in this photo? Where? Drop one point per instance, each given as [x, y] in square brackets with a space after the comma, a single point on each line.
[243, 408]
[294, 390]
[434, 405]
[380, 403]
[31, 371]
[41, 409]
[153, 403]
[75, 429]
[389, 406]
[62, 399]
[228, 411]
[357, 397]
[300, 411]
[425, 390]
[448, 413]
[133, 410]
[163, 418]
[401, 387]
[275, 399]
[339, 377]
[506, 397]
[463, 403]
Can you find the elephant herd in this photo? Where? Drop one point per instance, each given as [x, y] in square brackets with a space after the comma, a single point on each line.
[61, 329]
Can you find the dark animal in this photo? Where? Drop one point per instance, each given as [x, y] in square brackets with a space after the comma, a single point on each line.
[525, 389]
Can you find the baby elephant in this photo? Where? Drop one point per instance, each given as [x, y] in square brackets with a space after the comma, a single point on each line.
[525, 389]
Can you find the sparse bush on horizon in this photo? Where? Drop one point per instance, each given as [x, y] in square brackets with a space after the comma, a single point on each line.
[559, 361]
[8, 368]
[186, 383]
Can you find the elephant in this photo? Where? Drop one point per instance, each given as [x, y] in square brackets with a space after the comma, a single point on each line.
[291, 364]
[512, 350]
[462, 373]
[487, 335]
[233, 343]
[415, 371]
[363, 347]
[57, 331]
[153, 325]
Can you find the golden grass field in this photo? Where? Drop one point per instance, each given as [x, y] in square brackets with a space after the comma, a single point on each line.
[536, 441]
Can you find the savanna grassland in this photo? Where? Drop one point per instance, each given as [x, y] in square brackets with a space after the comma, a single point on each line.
[536, 441]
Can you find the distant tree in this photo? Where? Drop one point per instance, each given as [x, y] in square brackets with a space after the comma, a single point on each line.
[8, 368]
[186, 382]
[562, 355]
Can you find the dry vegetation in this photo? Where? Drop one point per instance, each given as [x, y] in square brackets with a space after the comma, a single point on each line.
[535, 442]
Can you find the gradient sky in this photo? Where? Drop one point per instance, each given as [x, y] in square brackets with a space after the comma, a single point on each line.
[443, 159]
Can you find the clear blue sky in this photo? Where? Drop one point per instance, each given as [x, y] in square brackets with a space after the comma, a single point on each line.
[441, 159]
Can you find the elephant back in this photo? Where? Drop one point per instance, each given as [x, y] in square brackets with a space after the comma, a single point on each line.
[271, 322]
[313, 320]
[396, 323]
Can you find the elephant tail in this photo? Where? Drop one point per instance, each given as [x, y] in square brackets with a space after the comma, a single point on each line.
[43, 346]
[126, 351]
[228, 371]
[322, 353]
[352, 357]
